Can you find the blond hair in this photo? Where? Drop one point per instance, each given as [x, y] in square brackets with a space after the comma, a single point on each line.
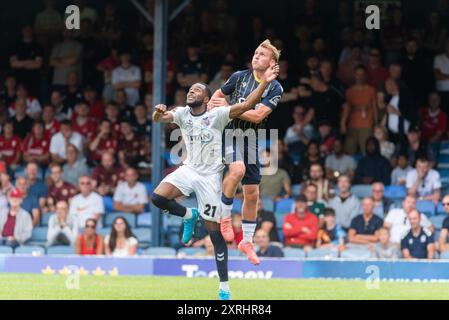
[275, 51]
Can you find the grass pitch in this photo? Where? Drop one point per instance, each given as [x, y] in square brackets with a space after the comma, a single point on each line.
[26, 286]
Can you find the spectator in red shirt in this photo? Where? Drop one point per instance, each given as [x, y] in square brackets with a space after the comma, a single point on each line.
[10, 146]
[58, 189]
[375, 71]
[112, 114]
[36, 146]
[433, 120]
[95, 104]
[300, 227]
[51, 125]
[104, 141]
[82, 122]
[131, 147]
[106, 176]
[89, 243]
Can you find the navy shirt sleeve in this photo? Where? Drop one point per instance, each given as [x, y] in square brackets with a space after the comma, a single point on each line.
[379, 223]
[354, 224]
[229, 87]
[445, 223]
[404, 243]
[273, 96]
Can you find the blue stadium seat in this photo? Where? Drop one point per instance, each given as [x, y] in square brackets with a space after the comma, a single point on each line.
[39, 235]
[108, 204]
[280, 220]
[45, 218]
[444, 174]
[30, 250]
[149, 187]
[296, 189]
[284, 206]
[268, 204]
[130, 217]
[437, 221]
[443, 159]
[234, 253]
[143, 235]
[440, 209]
[144, 220]
[237, 205]
[104, 231]
[356, 254]
[395, 192]
[60, 250]
[159, 251]
[444, 255]
[361, 190]
[426, 206]
[294, 253]
[191, 251]
[5, 250]
[322, 253]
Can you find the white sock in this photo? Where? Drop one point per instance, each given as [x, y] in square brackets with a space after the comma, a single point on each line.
[188, 214]
[248, 231]
[226, 210]
[224, 286]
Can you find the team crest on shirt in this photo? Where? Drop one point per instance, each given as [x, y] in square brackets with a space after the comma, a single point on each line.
[205, 121]
[244, 84]
[423, 239]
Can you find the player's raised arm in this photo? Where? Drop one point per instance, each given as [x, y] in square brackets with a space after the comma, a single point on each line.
[160, 114]
[255, 96]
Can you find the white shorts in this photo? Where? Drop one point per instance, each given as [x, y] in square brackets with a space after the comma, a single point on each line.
[207, 189]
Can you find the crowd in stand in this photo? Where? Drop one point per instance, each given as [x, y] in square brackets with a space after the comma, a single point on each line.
[75, 124]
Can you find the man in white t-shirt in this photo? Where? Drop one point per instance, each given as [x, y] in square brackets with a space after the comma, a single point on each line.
[127, 77]
[130, 195]
[59, 142]
[398, 223]
[441, 72]
[87, 204]
[424, 182]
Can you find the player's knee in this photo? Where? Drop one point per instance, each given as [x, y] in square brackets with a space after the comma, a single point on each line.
[252, 195]
[237, 171]
[159, 201]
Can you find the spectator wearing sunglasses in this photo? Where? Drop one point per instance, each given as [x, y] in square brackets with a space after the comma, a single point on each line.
[89, 243]
[87, 204]
[443, 245]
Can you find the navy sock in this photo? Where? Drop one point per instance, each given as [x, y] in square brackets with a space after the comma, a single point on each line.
[226, 200]
[221, 254]
[172, 206]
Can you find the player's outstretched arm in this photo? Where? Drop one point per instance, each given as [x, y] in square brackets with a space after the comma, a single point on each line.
[160, 114]
[255, 96]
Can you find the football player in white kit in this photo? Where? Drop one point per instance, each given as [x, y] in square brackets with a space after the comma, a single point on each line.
[201, 172]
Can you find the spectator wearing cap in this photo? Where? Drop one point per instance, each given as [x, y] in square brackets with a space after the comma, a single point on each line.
[36, 146]
[15, 223]
[331, 234]
[60, 141]
[373, 166]
[382, 205]
[419, 242]
[338, 163]
[107, 175]
[434, 123]
[414, 147]
[266, 220]
[102, 142]
[345, 204]
[397, 220]
[424, 182]
[399, 174]
[87, 204]
[266, 250]
[130, 195]
[62, 228]
[442, 240]
[277, 185]
[127, 77]
[385, 249]
[82, 122]
[58, 190]
[30, 203]
[365, 227]
[301, 226]
[74, 167]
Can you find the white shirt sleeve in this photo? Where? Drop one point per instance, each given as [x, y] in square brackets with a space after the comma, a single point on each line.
[118, 194]
[222, 114]
[142, 194]
[178, 113]
[437, 63]
[54, 148]
[115, 76]
[410, 180]
[436, 180]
